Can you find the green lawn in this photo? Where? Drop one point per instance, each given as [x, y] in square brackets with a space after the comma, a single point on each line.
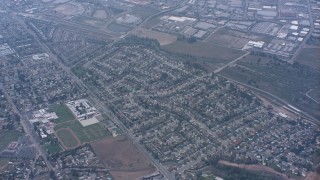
[63, 113]
[67, 138]
[85, 134]
[7, 137]
[53, 148]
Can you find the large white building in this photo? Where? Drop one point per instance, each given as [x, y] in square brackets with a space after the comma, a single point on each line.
[84, 111]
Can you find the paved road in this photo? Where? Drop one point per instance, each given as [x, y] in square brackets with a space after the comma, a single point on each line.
[28, 129]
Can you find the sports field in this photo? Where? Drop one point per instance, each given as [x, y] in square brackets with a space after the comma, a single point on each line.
[84, 134]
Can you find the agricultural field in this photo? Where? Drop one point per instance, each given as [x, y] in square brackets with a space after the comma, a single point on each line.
[63, 113]
[84, 134]
[310, 57]
[68, 138]
[7, 137]
[289, 82]
[123, 159]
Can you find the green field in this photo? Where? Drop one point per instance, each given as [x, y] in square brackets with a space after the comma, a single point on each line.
[84, 134]
[52, 148]
[63, 113]
[310, 57]
[67, 138]
[7, 137]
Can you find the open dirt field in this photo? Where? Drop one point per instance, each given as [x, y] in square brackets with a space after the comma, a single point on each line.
[122, 158]
[163, 38]
[312, 176]
[257, 168]
[100, 14]
[228, 40]
[69, 9]
[67, 138]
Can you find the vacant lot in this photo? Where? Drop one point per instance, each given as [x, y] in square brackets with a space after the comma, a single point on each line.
[118, 28]
[84, 134]
[315, 94]
[123, 159]
[202, 49]
[310, 57]
[63, 113]
[289, 82]
[100, 14]
[257, 168]
[3, 163]
[7, 137]
[68, 138]
[210, 57]
[224, 38]
[69, 9]
[162, 38]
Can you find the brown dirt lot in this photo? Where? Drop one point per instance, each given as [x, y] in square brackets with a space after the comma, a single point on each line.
[312, 176]
[257, 168]
[123, 159]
